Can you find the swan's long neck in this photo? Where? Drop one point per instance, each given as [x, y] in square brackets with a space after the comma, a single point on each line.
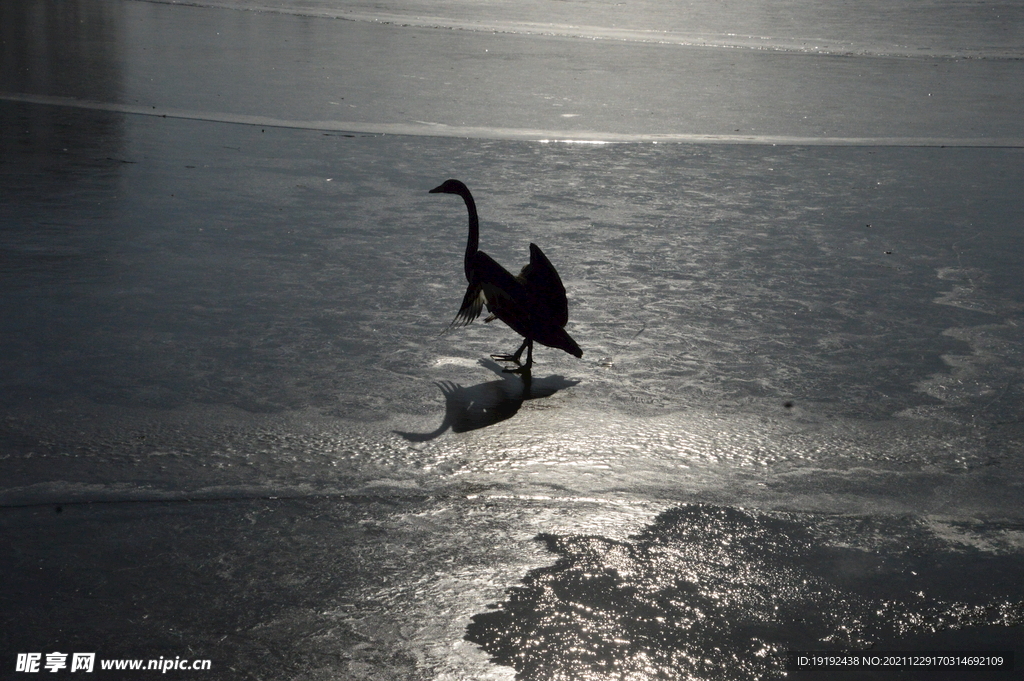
[473, 243]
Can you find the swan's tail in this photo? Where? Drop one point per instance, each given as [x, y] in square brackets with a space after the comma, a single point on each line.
[556, 337]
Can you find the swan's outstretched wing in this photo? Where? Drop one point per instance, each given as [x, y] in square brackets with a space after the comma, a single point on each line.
[490, 284]
[472, 305]
[547, 294]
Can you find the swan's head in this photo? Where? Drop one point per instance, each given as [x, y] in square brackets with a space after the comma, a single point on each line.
[450, 187]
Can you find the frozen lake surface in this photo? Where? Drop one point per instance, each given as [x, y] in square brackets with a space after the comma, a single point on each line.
[233, 430]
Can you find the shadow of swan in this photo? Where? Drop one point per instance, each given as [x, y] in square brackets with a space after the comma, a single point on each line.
[482, 405]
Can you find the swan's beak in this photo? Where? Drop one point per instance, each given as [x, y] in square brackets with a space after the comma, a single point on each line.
[436, 190]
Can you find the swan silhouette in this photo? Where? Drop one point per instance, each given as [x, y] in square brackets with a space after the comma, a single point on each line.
[532, 303]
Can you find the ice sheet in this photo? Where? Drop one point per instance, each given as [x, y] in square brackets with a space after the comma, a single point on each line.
[382, 75]
[231, 427]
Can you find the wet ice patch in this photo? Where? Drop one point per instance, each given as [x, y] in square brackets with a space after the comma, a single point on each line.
[711, 592]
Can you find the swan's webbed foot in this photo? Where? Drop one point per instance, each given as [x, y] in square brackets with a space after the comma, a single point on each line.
[523, 369]
[519, 368]
[506, 358]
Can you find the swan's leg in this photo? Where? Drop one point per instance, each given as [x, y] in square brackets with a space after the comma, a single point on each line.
[529, 357]
[515, 356]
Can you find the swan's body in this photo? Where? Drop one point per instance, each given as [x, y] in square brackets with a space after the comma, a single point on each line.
[533, 303]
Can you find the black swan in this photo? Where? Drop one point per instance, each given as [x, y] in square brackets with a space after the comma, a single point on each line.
[532, 303]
